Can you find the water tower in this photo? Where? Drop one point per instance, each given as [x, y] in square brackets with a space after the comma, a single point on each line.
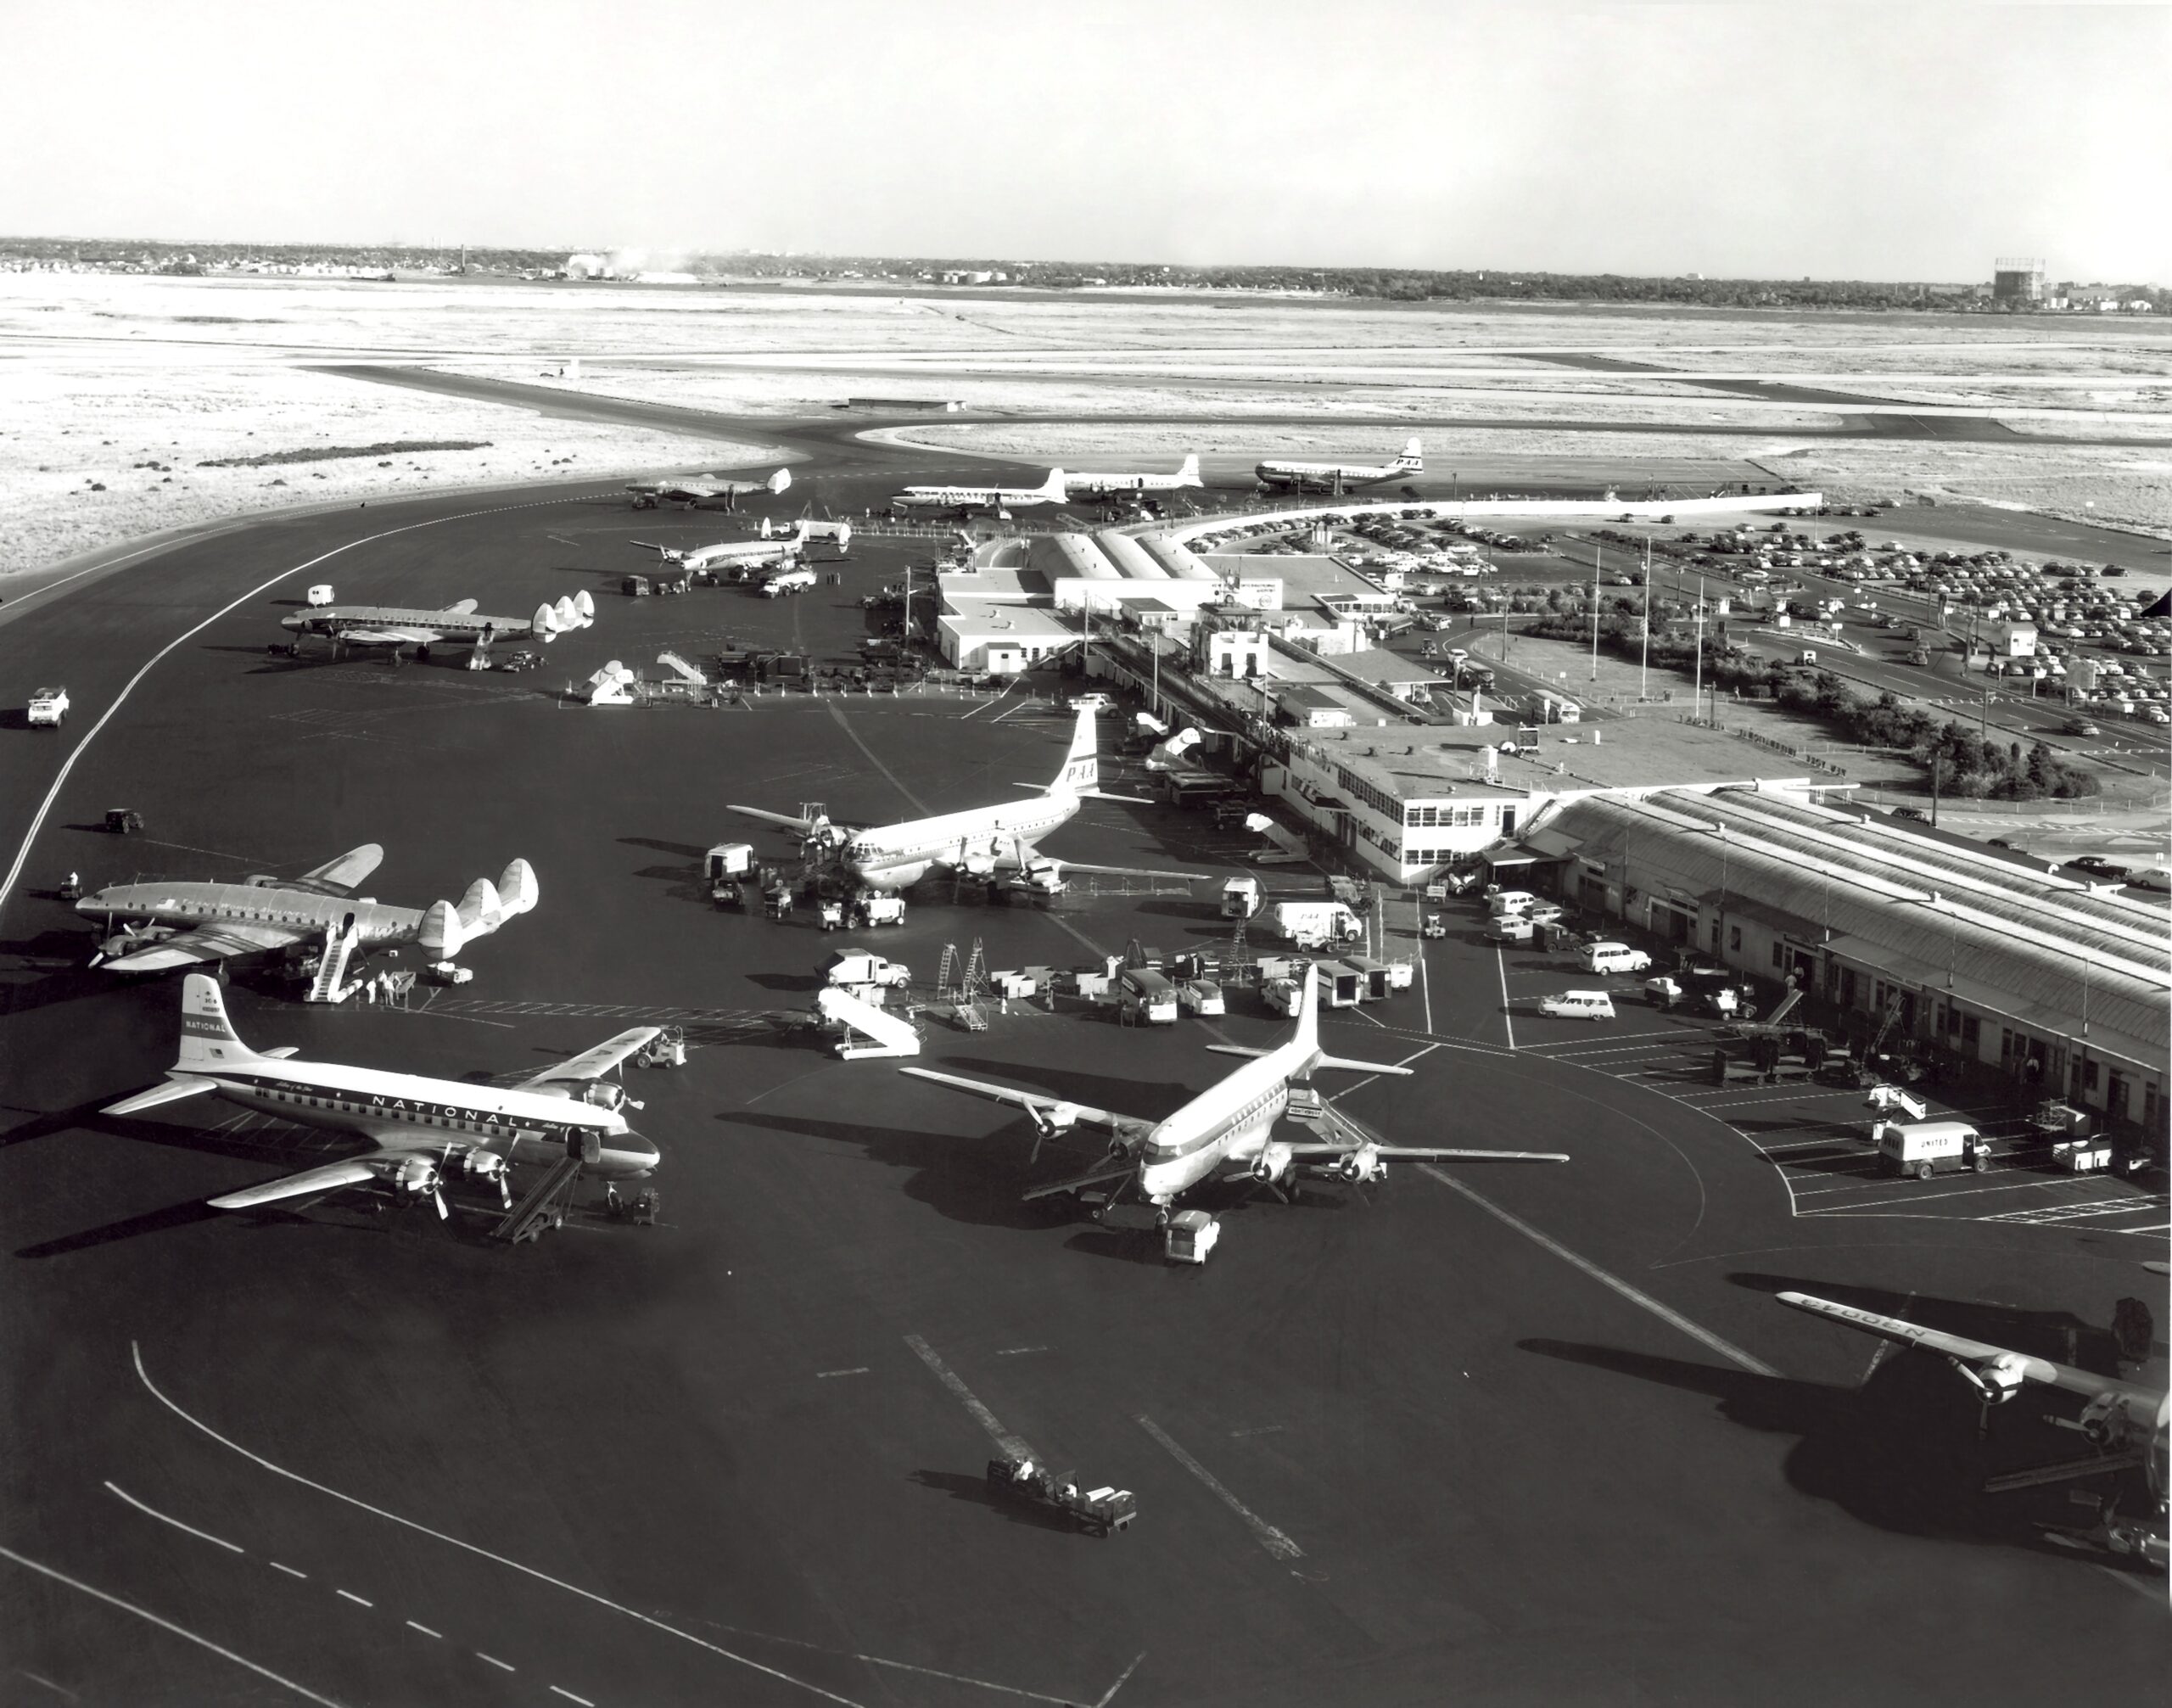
[2018, 279]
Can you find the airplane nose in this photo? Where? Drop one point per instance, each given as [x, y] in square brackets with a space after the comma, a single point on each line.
[639, 1151]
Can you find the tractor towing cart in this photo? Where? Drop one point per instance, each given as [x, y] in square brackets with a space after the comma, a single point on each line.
[1100, 1510]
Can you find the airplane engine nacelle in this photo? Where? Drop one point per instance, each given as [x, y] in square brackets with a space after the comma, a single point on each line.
[486, 1165]
[516, 888]
[603, 1093]
[544, 625]
[442, 933]
[2103, 1420]
[415, 1177]
[1273, 1163]
[1057, 1118]
[1996, 1380]
[1362, 1165]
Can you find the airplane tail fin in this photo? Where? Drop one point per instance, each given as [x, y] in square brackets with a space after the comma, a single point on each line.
[779, 482]
[1188, 474]
[1413, 459]
[584, 607]
[1052, 487]
[544, 625]
[208, 1037]
[442, 933]
[516, 888]
[1309, 1012]
[1081, 765]
[482, 909]
[565, 614]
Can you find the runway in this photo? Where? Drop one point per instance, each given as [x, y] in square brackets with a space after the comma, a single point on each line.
[1387, 1447]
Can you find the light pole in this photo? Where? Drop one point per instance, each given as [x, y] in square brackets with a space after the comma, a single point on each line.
[1598, 552]
[1644, 665]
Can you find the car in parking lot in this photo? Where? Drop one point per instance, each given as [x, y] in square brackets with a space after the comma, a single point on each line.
[2156, 877]
[2095, 866]
[2082, 727]
[1914, 815]
[1578, 1005]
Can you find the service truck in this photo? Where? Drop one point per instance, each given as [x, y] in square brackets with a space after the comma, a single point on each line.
[1145, 998]
[851, 966]
[48, 708]
[1314, 924]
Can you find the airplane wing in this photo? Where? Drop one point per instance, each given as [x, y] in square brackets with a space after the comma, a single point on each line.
[1048, 1112]
[171, 1090]
[593, 1064]
[1123, 871]
[208, 943]
[354, 1172]
[344, 875]
[1959, 1347]
[409, 635]
[464, 608]
[1427, 1153]
[790, 822]
[1116, 1168]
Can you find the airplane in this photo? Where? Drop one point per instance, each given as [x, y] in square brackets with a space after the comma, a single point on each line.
[1332, 477]
[980, 841]
[1135, 485]
[2127, 1424]
[1228, 1123]
[423, 1129]
[397, 626]
[647, 495]
[781, 546]
[964, 500]
[187, 923]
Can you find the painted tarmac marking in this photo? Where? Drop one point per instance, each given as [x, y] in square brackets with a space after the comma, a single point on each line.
[59, 1690]
[301, 1690]
[1636, 1296]
[506, 1666]
[350, 1595]
[895, 1665]
[288, 1569]
[1123, 1677]
[83, 745]
[560, 1691]
[135, 1352]
[1016, 1446]
[231, 1546]
[843, 724]
[1018, 1351]
[1264, 1429]
[856, 1370]
[426, 1631]
[1507, 1020]
[1269, 1537]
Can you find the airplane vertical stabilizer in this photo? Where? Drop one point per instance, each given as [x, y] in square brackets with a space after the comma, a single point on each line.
[1413, 459]
[517, 888]
[481, 910]
[1306, 1037]
[442, 934]
[778, 482]
[1188, 474]
[208, 1037]
[1052, 488]
[544, 625]
[1081, 765]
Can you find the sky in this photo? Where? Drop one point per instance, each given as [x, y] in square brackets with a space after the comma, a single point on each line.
[1893, 140]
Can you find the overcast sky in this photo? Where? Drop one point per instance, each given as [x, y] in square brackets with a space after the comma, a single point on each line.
[1890, 141]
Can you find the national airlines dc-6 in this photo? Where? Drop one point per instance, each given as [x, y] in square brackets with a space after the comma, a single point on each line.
[981, 842]
[424, 1130]
[1230, 1122]
[1142, 484]
[965, 500]
[1340, 476]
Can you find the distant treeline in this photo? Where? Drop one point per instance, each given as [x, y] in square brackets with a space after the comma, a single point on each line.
[335, 453]
[1385, 284]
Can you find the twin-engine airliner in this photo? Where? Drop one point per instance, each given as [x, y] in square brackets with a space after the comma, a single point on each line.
[424, 1130]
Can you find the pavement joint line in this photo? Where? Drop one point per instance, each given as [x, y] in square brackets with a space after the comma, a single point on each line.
[1016, 1446]
[1269, 1537]
[350, 1595]
[135, 1352]
[426, 1631]
[231, 1546]
[148, 1617]
[1636, 1296]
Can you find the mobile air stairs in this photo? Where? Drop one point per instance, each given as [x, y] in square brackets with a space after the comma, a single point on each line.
[544, 1205]
[864, 1030]
[329, 984]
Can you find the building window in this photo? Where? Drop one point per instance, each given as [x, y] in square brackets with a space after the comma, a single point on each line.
[1972, 1031]
[1734, 940]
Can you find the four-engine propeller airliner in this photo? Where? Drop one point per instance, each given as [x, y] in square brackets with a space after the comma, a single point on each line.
[780, 545]
[2127, 1424]
[1228, 1123]
[1338, 476]
[183, 923]
[1141, 484]
[715, 495]
[980, 841]
[424, 1130]
[396, 626]
[965, 500]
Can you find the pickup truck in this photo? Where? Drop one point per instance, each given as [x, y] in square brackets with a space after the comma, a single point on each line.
[48, 708]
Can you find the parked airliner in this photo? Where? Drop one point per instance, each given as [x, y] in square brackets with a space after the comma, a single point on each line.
[1336, 476]
[396, 626]
[720, 495]
[424, 1130]
[782, 546]
[981, 842]
[1229, 1122]
[1117, 485]
[965, 500]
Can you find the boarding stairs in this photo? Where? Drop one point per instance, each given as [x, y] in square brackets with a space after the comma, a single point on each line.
[329, 984]
[865, 1029]
[545, 1206]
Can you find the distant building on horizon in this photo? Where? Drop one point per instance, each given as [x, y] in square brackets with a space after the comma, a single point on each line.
[2018, 279]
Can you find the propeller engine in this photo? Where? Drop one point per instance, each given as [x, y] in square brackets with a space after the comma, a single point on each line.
[418, 1178]
[1362, 1165]
[1995, 1380]
[1056, 1117]
[1272, 1164]
[488, 1167]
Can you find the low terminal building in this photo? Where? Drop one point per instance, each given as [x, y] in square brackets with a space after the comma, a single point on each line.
[998, 637]
[1998, 962]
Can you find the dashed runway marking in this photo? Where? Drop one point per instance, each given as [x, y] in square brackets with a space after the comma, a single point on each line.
[503, 1665]
[1269, 1537]
[425, 1630]
[856, 1370]
[1016, 1446]
[350, 1595]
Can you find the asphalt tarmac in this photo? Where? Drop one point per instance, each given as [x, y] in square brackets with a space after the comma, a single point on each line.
[1502, 1433]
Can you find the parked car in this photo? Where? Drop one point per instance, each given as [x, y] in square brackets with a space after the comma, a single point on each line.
[2096, 866]
[1578, 1005]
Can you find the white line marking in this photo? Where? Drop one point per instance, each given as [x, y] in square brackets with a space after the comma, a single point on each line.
[350, 1595]
[1019, 1352]
[82, 747]
[1269, 1537]
[1501, 961]
[1425, 985]
[506, 1665]
[289, 1571]
[557, 1690]
[856, 1370]
[1665, 1314]
[135, 1352]
[301, 1690]
[230, 1548]
[426, 1631]
[59, 1690]
[1016, 1446]
[1122, 1677]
